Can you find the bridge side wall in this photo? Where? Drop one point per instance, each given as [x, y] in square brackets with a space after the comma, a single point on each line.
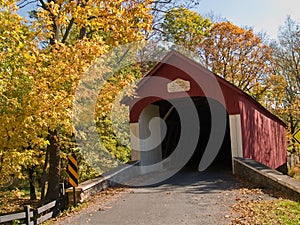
[264, 139]
[263, 176]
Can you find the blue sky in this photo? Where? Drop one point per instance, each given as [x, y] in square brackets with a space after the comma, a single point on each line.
[262, 15]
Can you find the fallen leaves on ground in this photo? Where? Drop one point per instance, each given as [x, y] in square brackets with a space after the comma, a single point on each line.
[100, 200]
[252, 208]
[14, 201]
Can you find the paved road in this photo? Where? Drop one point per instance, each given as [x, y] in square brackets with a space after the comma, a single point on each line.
[190, 197]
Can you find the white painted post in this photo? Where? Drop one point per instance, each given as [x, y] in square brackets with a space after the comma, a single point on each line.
[235, 137]
[153, 153]
[135, 143]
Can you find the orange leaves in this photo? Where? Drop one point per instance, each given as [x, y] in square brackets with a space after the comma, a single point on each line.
[237, 55]
[9, 5]
[53, 8]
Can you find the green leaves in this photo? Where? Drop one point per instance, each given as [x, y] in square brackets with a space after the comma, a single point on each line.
[185, 27]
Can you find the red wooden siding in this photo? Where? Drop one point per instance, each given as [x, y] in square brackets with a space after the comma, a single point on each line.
[263, 134]
[178, 67]
[263, 138]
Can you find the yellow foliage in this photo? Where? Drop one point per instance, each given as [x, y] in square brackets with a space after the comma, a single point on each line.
[41, 64]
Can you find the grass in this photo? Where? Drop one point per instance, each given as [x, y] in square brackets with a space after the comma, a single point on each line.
[279, 211]
[288, 211]
[295, 172]
[250, 211]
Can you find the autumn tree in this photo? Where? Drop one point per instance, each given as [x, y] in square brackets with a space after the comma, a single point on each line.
[185, 27]
[20, 144]
[286, 55]
[78, 32]
[114, 133]
[69, 35]
[239, 56]
[232, 52]
[159, 8]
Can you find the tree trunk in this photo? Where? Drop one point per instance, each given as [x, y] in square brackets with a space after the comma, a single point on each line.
[32, 184]
[293, 129]
[54, 167]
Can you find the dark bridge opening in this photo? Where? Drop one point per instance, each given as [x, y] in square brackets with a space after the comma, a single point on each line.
[222, 161]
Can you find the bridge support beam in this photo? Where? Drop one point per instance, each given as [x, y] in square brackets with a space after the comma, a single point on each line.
[146, 144]
[235, 137]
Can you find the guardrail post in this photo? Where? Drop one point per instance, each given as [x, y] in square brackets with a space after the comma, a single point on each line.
[62, 197]
[27, 213]
[62, 189]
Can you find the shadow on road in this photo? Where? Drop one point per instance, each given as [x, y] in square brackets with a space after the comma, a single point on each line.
[192, 181]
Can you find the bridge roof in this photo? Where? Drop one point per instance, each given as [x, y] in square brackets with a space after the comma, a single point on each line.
[176, 65]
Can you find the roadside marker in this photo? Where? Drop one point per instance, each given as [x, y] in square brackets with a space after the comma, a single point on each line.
[296, 136]
[73, 174]
[73, 171]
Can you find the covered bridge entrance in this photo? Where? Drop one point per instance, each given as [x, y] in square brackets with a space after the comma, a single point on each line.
[179, 87]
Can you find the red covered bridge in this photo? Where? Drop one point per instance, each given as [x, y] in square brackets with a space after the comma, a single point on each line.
[251, 131]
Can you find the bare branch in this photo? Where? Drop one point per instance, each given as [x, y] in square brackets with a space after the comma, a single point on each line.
[162, 2]
[159, 10]
[44, 6]
[23, 4]
[67, 32]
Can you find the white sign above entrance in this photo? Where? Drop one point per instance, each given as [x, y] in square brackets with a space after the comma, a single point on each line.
[178, 85]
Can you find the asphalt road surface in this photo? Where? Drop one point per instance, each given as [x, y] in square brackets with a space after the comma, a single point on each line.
[189, 197]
